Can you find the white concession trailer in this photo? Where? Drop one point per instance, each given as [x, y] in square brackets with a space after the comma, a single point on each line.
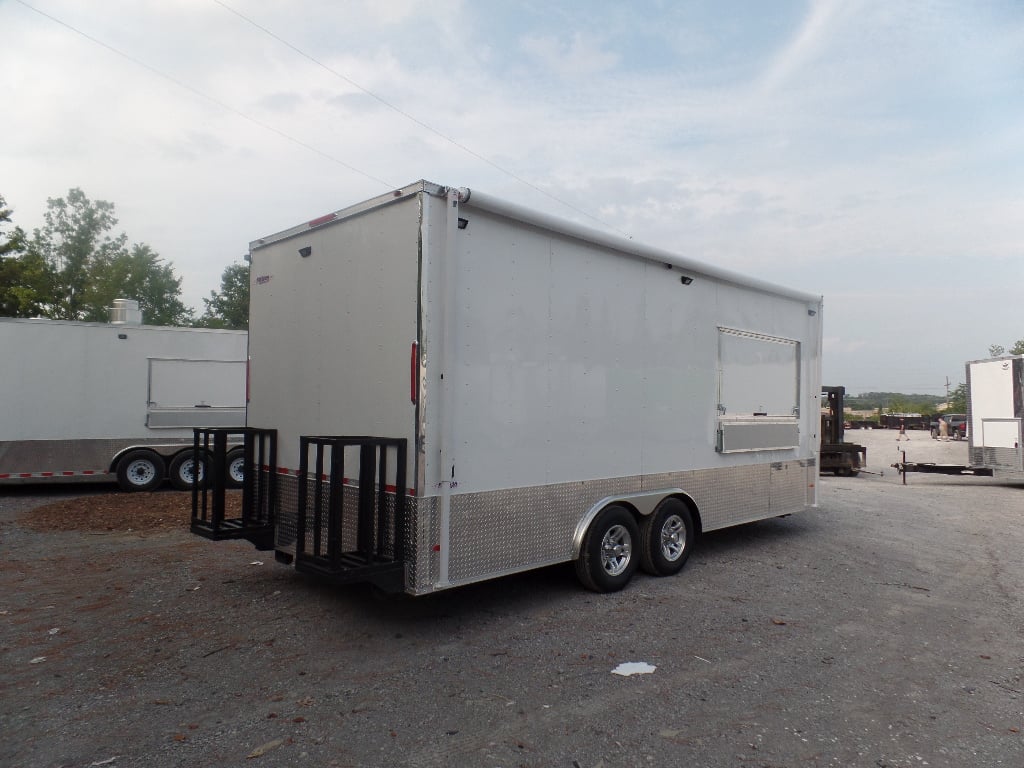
[995, 415]
[98, 401]
[446, 388]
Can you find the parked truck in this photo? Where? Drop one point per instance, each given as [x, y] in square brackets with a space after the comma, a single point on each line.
[446, 387]
[98, 401]
[995, 414]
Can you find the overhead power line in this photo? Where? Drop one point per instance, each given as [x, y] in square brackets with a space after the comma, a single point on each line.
[299, 142]
[213, 100]
[413, 118]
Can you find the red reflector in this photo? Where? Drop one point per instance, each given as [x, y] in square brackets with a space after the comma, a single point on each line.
[436, 547]
[323, 220]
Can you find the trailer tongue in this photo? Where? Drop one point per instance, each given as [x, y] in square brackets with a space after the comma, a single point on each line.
[903, 467]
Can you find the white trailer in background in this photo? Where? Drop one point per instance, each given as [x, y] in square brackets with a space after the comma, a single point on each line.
[94, 401]
[556, 394]
[995, 413]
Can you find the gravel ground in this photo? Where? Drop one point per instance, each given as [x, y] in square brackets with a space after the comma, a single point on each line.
[882, 629]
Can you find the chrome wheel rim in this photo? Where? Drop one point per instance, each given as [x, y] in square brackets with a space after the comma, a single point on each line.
[616, 549]
[673, 538]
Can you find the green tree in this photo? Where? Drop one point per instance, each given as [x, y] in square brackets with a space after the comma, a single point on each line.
[230, 307]
[88, 267]
[24, 281]
[13, 243]
[137, 273]
[74, 237]
[958, 399]
[997, 350]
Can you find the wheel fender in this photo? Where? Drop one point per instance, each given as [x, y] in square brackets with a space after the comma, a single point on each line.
[124, 451]
[640, 504]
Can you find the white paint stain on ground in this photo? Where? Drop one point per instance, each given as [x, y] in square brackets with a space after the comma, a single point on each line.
[628, 668]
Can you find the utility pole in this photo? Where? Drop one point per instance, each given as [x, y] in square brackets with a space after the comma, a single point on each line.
[947, 390]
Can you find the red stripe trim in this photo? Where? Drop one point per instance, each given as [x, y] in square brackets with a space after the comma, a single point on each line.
[389, 488]
[323, 219]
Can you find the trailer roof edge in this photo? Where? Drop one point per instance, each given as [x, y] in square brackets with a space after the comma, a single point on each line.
[474, 198]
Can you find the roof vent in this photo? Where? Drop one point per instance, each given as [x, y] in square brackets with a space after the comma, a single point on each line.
[125, 312]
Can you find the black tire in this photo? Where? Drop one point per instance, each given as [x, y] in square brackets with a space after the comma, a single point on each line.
[956, 434]
[234, 469]
[666, 538]
[140, 470]
[609, 555]
[182, 474]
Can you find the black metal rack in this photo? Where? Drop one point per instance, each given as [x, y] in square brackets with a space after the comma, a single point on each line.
[352, 531]
[259, 497]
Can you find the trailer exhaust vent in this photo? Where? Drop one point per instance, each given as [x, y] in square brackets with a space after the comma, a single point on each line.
[125, 312]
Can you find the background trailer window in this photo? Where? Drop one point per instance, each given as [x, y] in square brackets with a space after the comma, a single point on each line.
[758, 391]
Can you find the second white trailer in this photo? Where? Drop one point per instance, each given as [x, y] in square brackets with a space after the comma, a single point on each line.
[104, 401]
[554, 394]
[995, 418]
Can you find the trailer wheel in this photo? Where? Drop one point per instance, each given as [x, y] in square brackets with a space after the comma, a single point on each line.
[182, 472]
[666, 538]
[235, 470]
[140, 470]
[608, 557]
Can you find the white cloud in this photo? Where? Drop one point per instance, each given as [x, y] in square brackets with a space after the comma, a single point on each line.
[569, 59]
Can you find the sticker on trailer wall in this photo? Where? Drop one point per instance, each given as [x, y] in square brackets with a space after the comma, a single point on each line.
[262, 279]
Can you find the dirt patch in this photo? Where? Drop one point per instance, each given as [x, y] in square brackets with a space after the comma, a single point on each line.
[117, 512]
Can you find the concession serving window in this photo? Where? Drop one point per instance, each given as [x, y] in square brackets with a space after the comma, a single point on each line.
[758, 391]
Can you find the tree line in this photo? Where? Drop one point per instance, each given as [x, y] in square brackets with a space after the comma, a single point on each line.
[76, 264]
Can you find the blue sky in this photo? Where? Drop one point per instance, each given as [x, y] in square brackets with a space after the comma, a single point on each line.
[868, 151]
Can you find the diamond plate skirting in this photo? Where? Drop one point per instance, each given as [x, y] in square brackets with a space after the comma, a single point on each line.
[1007, 463]
[501, 532]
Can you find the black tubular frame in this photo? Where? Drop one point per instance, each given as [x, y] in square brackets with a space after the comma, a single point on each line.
[259, 489]
[371, 560]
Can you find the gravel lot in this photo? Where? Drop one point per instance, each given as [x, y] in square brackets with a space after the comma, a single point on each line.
[883, 629]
